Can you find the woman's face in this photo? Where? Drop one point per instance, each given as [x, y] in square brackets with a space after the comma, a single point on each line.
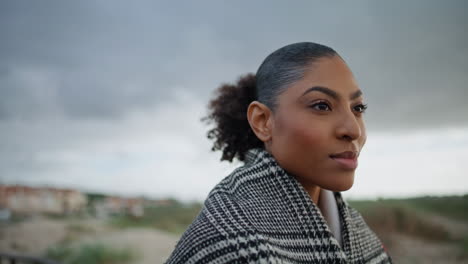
[317, 129]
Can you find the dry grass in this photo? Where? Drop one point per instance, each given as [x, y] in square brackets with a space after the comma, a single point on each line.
[421, 229]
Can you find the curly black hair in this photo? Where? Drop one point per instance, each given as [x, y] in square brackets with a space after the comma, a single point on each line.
[228, 110]
[232, 133]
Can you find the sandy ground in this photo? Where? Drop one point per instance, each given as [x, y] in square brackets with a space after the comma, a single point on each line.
[152, 246]
[34, 236]
[405, 249]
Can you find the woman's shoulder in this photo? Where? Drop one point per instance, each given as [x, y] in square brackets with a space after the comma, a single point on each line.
[197, 242]
[209, 240]
[222, 232]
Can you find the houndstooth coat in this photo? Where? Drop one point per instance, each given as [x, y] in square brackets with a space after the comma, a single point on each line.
[260, 214]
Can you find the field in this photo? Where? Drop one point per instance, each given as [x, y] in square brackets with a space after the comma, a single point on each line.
[420, 230]
[416, 230]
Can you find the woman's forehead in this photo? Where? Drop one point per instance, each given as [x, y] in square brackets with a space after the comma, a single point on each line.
[331, 75]
[328, 70]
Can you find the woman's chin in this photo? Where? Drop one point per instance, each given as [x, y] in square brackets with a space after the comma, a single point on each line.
[342, 185]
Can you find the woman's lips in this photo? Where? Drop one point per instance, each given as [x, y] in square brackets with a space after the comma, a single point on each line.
[346, 159]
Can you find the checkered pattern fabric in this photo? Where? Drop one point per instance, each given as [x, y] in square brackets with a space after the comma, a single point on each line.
[260, 214]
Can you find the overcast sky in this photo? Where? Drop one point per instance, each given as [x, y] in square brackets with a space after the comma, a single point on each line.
[108, 95]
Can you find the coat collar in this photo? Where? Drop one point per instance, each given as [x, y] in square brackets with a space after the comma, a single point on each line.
[286, 187]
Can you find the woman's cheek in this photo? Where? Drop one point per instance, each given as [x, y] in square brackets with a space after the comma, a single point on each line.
[309, 136]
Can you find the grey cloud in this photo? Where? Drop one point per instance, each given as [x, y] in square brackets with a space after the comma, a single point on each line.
[108, 58]
[415, 76]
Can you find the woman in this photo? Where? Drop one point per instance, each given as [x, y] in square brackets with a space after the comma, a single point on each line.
[298, 126]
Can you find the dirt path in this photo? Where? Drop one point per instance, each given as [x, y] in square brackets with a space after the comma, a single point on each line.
[406, 250]
[152, 246]
[34, 236]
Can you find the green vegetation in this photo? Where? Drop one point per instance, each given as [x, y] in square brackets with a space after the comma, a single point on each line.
[464, 247]
[90, 254]
[412, 216]
[389, 216]
[93, 197]
[454, 207]
[174, 218]
[16, 218]
[79, 228]
[74, 231]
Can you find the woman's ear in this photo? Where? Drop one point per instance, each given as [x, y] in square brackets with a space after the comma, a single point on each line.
[259, 116]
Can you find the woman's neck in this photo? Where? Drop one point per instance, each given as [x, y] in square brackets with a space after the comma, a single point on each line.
[312, 190]
[314, 193]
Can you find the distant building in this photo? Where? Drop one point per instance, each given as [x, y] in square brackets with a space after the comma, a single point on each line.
[112, 205]
[27, 200]
[160, 202]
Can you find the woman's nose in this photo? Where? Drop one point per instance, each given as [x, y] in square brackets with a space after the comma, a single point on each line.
[348, 128]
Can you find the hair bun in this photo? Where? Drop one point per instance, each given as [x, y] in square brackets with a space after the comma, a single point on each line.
[228, 111]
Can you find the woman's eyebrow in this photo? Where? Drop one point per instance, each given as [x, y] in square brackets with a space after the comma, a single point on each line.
[324, 90]
[355, 95]
[332, 93]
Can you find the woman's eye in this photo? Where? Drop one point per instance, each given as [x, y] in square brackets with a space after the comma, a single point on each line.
[361, 108]
[321, 106]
